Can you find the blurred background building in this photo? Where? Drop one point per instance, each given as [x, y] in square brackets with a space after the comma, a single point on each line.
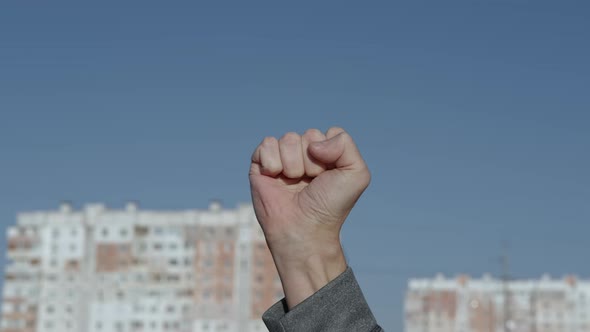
[129, 270]
[463, 304]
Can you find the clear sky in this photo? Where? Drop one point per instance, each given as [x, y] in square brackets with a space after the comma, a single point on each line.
[474, 117]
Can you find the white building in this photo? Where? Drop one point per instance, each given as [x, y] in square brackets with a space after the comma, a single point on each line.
[463, 304]
[132, 270]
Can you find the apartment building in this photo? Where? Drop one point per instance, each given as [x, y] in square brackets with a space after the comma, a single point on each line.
[131, 270]
[463, 304]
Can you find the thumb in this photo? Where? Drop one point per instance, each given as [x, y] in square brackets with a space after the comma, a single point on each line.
[340, 151]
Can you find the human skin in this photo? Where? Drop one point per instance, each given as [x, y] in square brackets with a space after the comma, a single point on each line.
[303, 187]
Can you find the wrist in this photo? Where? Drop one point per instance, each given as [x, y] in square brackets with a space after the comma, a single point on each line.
[306, 269]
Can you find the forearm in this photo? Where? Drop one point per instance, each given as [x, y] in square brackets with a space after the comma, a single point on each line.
[302, 275]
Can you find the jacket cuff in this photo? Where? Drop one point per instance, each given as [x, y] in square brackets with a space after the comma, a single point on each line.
[338, 306]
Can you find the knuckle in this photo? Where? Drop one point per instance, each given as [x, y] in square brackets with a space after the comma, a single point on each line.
[269, 141]
[312, 132]
[335, 130]
[291, 137]
[365, 177]
[344, 136]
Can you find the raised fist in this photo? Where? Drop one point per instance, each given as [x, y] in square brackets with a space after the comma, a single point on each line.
[303, 188]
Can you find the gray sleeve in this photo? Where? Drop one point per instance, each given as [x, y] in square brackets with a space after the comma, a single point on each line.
[338, 306]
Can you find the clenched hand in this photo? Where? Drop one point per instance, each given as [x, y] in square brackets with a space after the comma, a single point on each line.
[303, 188]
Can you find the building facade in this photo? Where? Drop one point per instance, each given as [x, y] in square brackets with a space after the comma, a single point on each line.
[131, 270]
[464, 304]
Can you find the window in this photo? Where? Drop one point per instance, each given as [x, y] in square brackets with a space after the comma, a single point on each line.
[105, 232]
[228, 247]
[8, 307]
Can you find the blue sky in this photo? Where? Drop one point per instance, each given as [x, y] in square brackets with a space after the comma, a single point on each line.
[473, 116]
